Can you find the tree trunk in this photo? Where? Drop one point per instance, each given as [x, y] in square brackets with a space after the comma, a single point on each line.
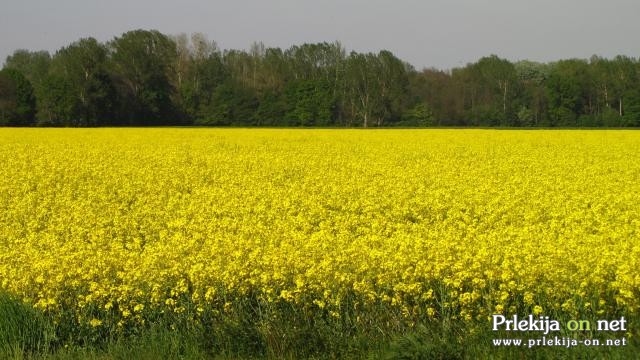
[504, 99]
[620, 106]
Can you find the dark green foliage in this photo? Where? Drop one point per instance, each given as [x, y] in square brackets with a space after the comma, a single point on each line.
[196, 91]
[197, 71]
[419, 115]
[141, 63]
[229, 105]
[147, 78]
[611, 118]
[57, 105]
[494, 86]
[376, 89]
[271, 110]
[83, 65]
[17, 100]
[631, 116]
[566, 89]
[34, 65]
[309, 103]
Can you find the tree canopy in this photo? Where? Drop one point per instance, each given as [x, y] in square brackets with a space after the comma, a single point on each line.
[148, 78]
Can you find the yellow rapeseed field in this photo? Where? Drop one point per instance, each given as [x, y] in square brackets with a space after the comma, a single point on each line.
[114, 226]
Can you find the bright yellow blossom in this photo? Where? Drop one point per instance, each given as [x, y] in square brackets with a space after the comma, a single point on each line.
[128, 223]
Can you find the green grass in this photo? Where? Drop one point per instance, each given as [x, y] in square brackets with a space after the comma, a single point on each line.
[23, 331]
[277, 333]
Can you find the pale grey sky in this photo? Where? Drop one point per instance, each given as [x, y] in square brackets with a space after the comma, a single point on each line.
[439, 33]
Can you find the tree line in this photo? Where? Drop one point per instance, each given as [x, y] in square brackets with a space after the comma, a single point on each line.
[148, 78]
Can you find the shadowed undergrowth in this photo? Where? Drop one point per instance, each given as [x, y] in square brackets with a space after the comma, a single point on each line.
[26, 333]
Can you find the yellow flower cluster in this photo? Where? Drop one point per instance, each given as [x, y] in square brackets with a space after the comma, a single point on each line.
[428, 223]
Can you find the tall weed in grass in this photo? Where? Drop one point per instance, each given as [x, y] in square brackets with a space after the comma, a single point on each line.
[23, 330]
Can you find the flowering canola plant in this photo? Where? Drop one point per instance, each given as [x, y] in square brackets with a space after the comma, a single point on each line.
[115, 225]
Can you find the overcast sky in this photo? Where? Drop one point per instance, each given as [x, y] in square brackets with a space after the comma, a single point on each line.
[426, 33]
